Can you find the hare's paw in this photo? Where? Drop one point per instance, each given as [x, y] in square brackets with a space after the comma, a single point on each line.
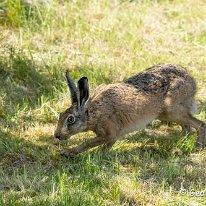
[71, 153]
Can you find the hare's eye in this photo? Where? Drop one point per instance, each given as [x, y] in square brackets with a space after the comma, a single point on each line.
[70, 119]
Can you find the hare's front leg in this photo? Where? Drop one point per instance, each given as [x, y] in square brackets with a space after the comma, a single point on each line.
[86, 145]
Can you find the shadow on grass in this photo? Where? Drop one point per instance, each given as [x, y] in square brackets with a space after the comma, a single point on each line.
[17, 152]
[34, 171]
[20, 80]
[160, 165]
[26, 168]
[23, 84]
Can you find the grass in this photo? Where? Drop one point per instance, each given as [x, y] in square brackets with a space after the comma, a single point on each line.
[107, 41]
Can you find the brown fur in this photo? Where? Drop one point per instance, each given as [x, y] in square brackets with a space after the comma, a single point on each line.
[165, 92]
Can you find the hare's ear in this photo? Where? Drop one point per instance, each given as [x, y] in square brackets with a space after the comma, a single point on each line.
[72, 88]
[83, 91]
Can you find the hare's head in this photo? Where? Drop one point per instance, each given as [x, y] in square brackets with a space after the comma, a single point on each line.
[74, 119]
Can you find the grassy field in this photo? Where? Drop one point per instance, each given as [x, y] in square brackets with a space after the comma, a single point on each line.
[107, 41]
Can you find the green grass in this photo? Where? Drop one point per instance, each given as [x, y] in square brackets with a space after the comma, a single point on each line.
[107, 41]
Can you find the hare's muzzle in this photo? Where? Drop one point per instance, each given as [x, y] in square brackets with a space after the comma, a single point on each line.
[61, 136]
[57, 136]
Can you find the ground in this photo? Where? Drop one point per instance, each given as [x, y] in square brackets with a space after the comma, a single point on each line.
[107, 41]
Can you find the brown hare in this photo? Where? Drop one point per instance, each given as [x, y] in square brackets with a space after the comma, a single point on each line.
[165, 92]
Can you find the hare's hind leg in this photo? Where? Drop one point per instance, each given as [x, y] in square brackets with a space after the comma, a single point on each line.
[180, 110]
[201, 131]
[181, 113]
[186, 129]
[186, 120]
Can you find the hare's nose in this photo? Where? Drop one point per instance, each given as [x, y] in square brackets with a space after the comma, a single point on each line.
[57, 136]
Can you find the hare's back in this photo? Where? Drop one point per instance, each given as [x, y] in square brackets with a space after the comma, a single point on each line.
[163, 79]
